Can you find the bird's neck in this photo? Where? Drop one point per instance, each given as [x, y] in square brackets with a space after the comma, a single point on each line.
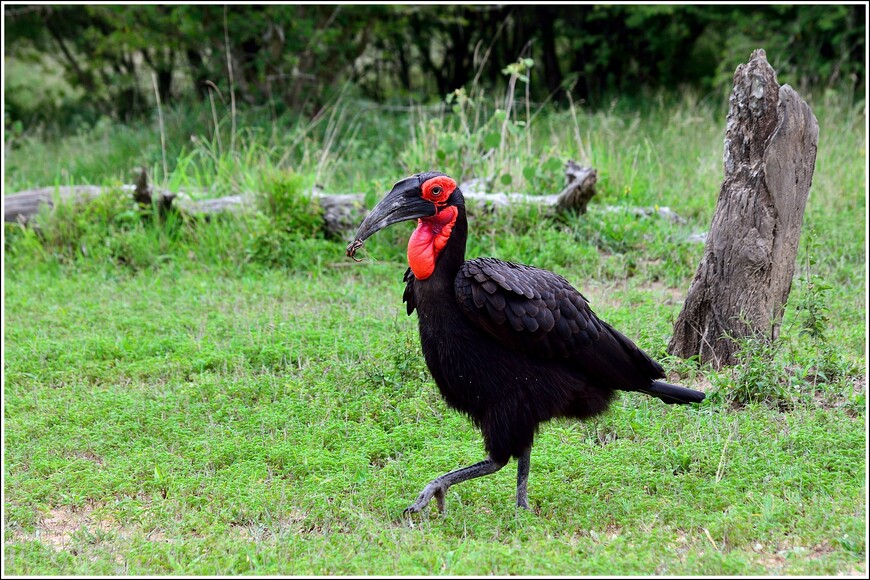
[434, 296]
[437, 246]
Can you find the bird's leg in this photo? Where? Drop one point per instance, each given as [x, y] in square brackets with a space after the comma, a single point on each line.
[438, 486]
[523, 478]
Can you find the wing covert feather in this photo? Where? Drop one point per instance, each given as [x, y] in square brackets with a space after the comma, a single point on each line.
[538, 312]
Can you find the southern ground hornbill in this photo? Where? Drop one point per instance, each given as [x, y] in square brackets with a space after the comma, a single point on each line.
[511, 346]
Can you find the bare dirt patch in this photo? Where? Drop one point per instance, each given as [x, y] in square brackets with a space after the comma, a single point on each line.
[56, 528]
[290, 523]
[88, 456]
[844, 400]
[603, 295]
[674, 295]
[777, 562]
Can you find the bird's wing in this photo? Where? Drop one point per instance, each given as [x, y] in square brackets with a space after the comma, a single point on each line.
[537, 312]
[408, 296]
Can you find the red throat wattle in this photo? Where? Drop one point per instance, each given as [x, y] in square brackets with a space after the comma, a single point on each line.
[428, 240]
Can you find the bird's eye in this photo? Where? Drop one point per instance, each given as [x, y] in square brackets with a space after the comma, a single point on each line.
[436, 190]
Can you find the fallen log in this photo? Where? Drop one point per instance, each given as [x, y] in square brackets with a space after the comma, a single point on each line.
[24, 205]
[339, 208]
[341, 212]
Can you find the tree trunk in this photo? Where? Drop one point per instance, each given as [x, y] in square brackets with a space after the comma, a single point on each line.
[552, 73]
[164, 79]
[745, 276]
[198, 73]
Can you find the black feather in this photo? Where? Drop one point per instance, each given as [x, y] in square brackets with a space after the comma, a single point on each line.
[514, 346]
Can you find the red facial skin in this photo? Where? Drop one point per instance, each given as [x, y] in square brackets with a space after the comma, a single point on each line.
[438, 189]
[432, 233]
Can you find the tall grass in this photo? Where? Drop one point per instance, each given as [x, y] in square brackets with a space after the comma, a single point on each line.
[656, 149]
[352, 146]
[659, 150]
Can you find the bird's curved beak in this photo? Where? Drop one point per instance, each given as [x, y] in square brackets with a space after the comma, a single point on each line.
[403, 203]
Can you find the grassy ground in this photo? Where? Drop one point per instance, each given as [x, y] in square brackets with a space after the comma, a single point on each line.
[223, 399]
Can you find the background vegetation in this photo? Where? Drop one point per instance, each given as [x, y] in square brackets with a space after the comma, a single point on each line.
[294, 57]
[234, 396]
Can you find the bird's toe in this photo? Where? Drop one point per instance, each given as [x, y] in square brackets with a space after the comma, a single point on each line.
[434, 489]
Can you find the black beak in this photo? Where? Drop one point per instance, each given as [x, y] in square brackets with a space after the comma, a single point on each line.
[404, 202]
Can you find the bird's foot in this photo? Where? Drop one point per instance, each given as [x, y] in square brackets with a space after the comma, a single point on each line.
[436, 488]
[523, 502]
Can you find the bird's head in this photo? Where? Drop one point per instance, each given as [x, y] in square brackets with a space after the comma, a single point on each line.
[433, 199]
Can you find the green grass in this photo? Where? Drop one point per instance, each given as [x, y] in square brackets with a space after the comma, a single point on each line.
[236, 397]
[183, 422]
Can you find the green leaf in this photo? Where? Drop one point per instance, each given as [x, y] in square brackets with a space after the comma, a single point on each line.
[492, 140]
[530, 172]
[552, 165]
[506, 179]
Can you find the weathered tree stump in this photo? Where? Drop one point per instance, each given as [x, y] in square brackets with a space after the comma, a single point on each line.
[745, 276]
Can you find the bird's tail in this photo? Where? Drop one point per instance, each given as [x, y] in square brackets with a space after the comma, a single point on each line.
[673, 394]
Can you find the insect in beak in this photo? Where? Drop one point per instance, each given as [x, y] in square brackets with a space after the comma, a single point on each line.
[353, 248]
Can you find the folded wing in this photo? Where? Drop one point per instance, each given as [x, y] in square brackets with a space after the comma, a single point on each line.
[538, 313]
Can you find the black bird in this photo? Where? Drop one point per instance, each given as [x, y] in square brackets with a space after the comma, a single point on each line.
[511, 346]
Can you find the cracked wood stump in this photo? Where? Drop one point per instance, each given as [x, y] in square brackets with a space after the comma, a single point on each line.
[745, 275]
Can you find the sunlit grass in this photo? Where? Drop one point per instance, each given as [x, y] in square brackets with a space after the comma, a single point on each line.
[235, 396]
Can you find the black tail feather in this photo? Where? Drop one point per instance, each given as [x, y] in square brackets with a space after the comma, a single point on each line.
[673, 394]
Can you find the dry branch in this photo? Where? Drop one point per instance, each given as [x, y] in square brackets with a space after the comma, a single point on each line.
[341, 212]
